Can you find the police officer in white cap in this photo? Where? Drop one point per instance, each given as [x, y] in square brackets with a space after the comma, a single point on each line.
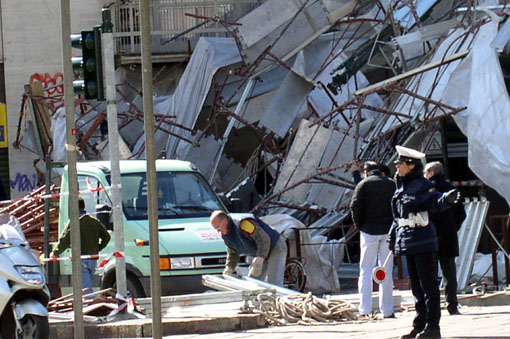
[413, 235]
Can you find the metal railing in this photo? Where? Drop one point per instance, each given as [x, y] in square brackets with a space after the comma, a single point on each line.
[171, 18]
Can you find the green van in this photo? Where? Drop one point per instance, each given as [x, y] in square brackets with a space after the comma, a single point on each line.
[188, 245]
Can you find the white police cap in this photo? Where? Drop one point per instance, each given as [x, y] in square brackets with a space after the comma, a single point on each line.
[406, 154]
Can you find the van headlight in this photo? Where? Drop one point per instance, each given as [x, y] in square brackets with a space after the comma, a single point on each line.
[180, 263]
[31, 274]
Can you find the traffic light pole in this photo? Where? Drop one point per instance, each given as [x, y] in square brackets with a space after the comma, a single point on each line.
[113, 144]
[65, 14]
[148, 121]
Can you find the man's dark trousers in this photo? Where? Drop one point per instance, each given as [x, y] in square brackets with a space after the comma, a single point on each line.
[449, 271]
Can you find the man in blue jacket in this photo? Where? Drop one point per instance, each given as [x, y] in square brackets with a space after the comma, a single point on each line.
[247, 234]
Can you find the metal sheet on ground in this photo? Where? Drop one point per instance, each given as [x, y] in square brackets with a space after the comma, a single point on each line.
[469, 236]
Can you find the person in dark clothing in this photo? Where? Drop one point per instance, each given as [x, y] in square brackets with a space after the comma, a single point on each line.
[93, 238]
[248, 234]
[356, 171]
[413, 235]
[447, 224]
[385, 170]
[372, 216]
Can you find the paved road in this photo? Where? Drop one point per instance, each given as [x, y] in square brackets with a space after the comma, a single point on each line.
[475, 322]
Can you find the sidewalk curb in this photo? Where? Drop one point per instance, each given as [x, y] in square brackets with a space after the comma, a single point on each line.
[143, 328]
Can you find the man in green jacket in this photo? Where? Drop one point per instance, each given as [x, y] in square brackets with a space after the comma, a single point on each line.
[94, 237]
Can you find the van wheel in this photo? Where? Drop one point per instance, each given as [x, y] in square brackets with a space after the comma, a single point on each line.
[134, 287]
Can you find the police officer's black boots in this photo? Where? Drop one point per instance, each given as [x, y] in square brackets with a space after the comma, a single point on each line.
[429, 333]
[411, 335]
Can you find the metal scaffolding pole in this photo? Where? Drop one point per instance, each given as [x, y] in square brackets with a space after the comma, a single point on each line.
[148, 108]
[65, 13]
[113, 144]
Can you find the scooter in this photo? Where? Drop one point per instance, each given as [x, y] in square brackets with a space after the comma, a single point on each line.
[23, 291]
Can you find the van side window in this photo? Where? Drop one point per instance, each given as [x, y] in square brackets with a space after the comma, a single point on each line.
[134, 195]
[93, 200]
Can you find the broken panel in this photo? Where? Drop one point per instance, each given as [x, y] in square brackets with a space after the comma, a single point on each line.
[203, 156]
[328, 195]
[286, 104]
[301, 162]
[286, 33]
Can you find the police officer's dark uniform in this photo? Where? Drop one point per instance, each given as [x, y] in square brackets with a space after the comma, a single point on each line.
[415, 237]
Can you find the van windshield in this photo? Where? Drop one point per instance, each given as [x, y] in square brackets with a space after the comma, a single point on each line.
[180, 195]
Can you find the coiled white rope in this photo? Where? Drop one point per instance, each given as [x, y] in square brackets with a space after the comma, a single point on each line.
[303, 309]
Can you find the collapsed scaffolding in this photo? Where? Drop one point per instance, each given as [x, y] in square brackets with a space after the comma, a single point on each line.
[277, 114]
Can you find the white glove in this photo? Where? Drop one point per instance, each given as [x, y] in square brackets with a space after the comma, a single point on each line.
[256, 267]
[228, 271]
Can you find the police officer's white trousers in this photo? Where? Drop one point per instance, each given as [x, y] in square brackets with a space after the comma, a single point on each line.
[373, 252]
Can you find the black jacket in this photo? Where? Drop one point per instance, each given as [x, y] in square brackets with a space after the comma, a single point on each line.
[447, 222]
[371, 204]
[414, 194]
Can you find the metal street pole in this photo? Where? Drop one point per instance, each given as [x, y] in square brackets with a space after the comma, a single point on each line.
[152, 178]
[65, 14]
[113, 144]
[47, 202]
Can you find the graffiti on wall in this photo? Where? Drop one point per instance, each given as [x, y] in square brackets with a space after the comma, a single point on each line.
[52, 84]
[23, 182]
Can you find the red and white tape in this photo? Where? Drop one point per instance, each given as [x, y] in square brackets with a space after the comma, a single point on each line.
[107, 260]
[89, 257]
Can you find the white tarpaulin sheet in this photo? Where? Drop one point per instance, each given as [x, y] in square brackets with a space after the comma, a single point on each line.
[209, 55]
[478, 84]
[482, 268]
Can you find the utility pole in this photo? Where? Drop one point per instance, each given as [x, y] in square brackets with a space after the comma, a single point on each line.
[113, 144]
[65, 15]
[152, 188]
